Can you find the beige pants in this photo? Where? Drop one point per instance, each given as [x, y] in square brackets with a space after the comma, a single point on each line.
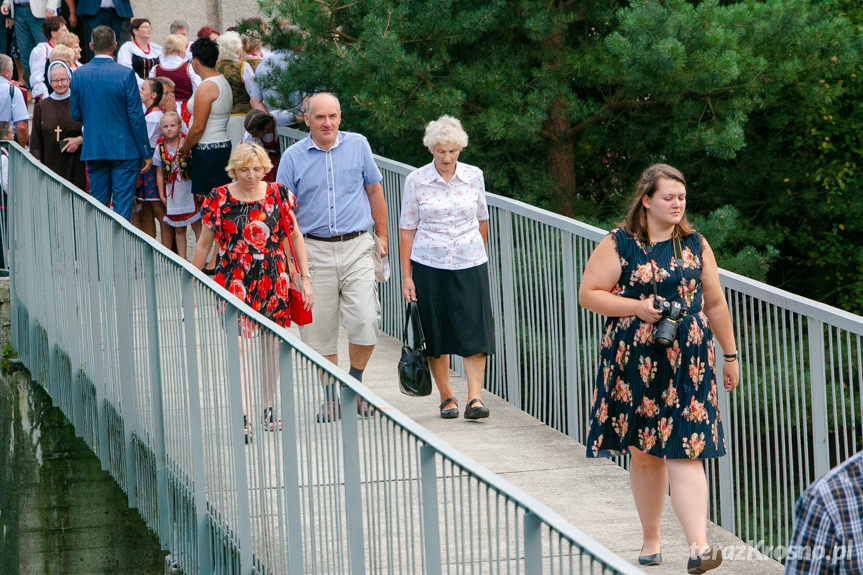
[343, 279]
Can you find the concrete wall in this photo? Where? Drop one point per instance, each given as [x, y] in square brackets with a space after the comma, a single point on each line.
[219, 14]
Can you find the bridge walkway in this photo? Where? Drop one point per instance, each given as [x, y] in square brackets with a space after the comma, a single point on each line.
[591, 494]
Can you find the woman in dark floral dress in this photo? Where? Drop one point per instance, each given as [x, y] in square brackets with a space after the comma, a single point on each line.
[660, 403]
[245, 217]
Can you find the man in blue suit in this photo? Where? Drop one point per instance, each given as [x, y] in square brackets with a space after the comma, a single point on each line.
[104, 96]
[96, 13]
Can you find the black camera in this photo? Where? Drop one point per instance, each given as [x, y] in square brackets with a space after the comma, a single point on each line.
[666, 327]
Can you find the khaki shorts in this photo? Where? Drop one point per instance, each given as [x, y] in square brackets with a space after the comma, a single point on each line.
[343, 280]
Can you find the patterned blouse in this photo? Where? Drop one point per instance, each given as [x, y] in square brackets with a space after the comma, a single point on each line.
[445, 216]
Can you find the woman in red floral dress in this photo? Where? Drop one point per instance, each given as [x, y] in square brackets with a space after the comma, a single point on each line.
[245, 217]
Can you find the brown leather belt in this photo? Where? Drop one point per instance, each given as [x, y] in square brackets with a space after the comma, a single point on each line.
[340, 238]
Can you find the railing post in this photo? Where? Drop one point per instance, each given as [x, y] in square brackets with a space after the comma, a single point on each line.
[158, 411]
[353, 488]
[243, 533]
[290, 459]
[430, 510]
[77, 354]
[727, 488]
[571, 336]
[97, 368]
[818, 389]
[510, 329]
[532, 543]
[12, 211]
[128, 384]
[196, 426]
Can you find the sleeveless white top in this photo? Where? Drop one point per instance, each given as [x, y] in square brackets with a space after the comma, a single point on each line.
[216, 130]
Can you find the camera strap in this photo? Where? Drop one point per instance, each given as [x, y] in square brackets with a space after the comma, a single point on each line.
[677, 247]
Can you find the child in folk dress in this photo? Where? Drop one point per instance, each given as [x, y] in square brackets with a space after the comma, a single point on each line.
[150, 209]
[173, 176]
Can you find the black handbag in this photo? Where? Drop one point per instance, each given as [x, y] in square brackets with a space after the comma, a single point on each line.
[414, 375]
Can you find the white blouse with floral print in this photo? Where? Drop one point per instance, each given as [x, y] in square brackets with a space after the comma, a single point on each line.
[446, 217]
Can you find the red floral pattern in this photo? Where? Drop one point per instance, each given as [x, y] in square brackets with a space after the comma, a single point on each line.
[251, 263]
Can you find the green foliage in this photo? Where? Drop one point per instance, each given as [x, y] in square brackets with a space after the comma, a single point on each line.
[7, 355]
[566, 102]
[745, 249]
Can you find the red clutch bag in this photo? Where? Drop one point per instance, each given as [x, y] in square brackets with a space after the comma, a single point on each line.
[296, 312]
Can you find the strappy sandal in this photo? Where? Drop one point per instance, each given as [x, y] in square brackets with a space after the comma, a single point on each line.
[270, 423]
[472, 412]
[363, 408]
[330, 411]
[452, 412]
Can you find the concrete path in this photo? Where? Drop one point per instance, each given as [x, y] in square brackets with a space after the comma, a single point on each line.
[591, 494]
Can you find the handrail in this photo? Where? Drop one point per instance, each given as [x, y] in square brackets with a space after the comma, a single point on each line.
[795, 414]
[157, 367]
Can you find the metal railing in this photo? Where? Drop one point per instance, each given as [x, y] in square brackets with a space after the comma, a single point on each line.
[157, 366]
[793, 417]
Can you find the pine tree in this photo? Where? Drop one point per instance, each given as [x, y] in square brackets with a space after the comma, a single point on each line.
[544, 88]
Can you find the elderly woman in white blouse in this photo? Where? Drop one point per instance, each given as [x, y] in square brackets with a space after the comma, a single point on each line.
[443, 231]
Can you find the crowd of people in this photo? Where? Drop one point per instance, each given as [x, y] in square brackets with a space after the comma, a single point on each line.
[146, 180]
[178, 135]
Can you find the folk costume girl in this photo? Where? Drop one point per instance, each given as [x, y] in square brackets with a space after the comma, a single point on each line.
[150, 208]
[174, 178]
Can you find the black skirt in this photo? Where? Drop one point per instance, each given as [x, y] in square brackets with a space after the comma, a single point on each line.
[208, 167]
[455, 309]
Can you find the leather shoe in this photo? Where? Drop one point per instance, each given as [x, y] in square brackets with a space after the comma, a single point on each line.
[711, 558]
[450, 413]
[655, 559]
[471, 412]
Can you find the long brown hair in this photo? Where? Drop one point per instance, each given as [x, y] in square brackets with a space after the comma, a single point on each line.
[636, 216]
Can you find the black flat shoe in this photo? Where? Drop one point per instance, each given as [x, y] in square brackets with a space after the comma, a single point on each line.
[711, 558]
[450, 413]
[655, 559]
[471, 412]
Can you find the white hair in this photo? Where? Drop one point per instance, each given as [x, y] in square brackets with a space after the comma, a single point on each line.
[5, 63]
[230, 45]
[445, 130]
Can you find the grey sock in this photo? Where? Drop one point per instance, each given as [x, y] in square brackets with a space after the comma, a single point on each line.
[357, 373]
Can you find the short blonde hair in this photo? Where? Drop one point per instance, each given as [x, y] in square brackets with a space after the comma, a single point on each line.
[230, 45]
[64, 54]
[245, 153]
[445, 130]
[175, 44]
[69, 39]
[171, 115]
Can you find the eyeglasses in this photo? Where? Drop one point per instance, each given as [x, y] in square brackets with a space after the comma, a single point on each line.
[60, 80]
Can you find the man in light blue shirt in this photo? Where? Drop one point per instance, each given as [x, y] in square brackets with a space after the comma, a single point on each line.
[339, 197]
[13, 108]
